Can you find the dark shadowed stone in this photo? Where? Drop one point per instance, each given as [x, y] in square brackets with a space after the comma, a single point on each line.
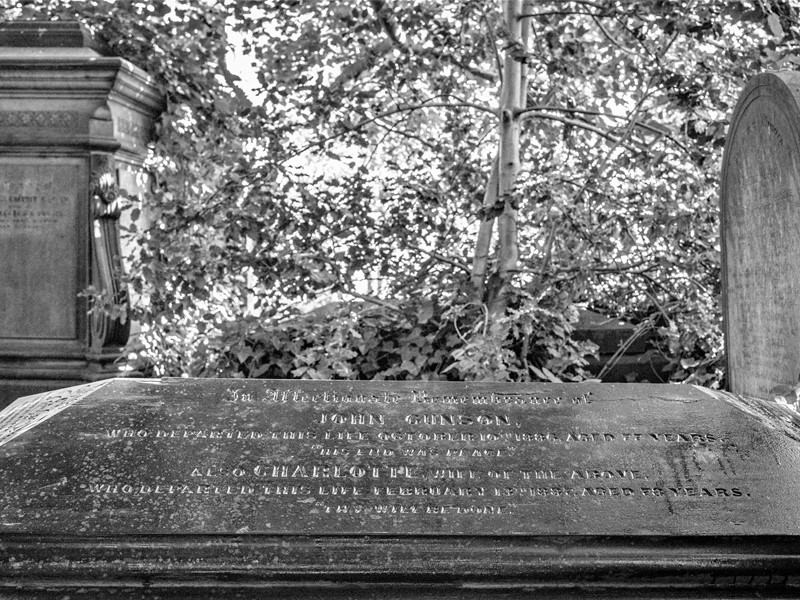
[760, 200]
[44, 34]
[625, 352]
[262, 484]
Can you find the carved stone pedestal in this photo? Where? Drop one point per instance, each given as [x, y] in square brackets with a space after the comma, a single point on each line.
[74, 127]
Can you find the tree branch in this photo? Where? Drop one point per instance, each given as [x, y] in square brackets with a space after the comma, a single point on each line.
[386, 19]
[388, 113]
[639, 124]
[639, 41]
[435, 255]
[475, 71]
[548, 249]
[589, 127]
[361, 64]
[596, 5]
[560, 12]
[498, 62]
[609, 37]
[371, 299]
[393, 128]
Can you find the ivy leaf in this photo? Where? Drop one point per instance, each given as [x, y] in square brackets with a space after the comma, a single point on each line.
[775, 27]
[425, 312]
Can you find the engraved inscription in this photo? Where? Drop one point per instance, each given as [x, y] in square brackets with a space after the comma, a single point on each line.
[275, 396]
[381, 455]
[400, 458]
[39, 247]
[20, 213]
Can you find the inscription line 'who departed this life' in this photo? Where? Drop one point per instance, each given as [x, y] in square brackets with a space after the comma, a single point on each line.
[694, 437]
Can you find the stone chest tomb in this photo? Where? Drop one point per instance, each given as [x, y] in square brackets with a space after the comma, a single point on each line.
[396, 489]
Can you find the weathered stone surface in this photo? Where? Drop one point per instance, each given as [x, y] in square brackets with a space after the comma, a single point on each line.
[395, 489]
[760, 198]
[228, 456]
[41, 214]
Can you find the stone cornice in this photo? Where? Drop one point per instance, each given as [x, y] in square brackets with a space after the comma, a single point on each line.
[139, 88]
[76, 73]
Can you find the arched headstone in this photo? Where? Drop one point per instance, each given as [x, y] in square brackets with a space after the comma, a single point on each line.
[760, 222]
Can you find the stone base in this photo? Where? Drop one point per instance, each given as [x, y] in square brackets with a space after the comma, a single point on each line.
[247, 567]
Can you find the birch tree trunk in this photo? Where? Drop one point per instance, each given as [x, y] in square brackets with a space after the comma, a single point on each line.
[483, 243]
[513, 93]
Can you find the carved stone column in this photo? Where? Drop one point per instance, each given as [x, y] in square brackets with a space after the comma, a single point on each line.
[74, 129]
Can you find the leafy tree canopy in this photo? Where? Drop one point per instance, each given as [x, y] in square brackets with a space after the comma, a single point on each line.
[352, 160]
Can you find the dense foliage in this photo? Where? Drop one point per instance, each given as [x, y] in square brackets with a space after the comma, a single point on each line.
[347, 172]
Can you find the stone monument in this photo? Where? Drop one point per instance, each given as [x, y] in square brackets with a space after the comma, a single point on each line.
[74, 127]
[181, 488]
[760, 202]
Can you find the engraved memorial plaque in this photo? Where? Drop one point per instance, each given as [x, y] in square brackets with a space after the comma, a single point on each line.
[760, 201]
[40, 221]
[277, 457]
